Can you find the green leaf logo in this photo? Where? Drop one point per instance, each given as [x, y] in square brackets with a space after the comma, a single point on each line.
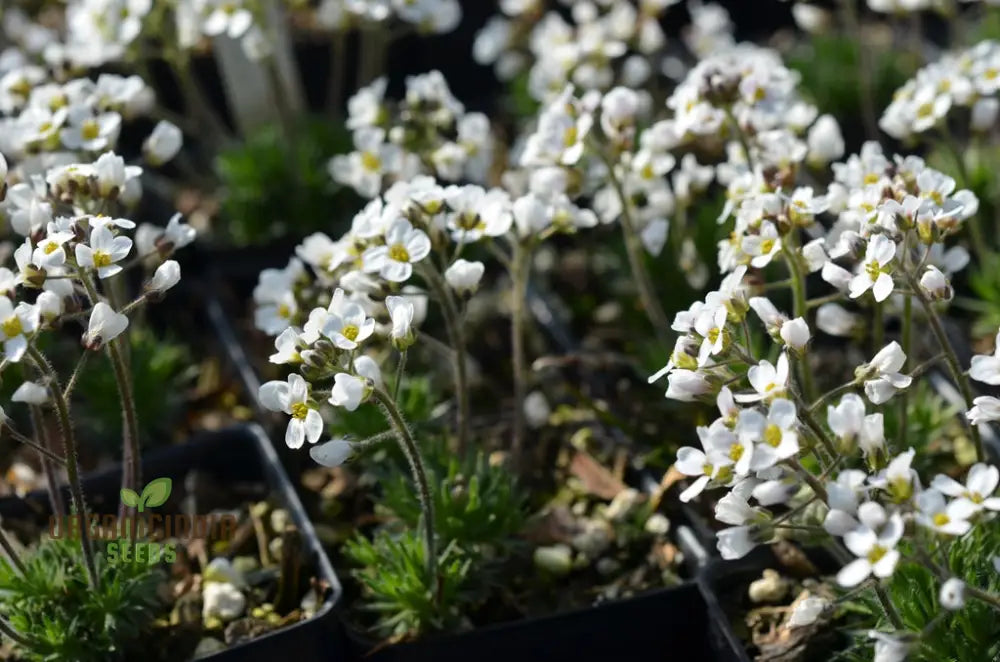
[154, 494]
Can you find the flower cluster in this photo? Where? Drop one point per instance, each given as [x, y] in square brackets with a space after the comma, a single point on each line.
[604, 44]
[428, 132]
[969, 79]
[427, 16]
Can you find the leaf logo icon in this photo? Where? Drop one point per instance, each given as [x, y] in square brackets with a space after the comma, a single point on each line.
[154, 494]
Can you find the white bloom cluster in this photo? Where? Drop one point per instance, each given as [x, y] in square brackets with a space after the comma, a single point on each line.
[427, 16]
[427, 132]
[603, 43]
[969, 79]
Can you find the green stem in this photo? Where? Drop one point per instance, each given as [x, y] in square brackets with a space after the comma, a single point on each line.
[800, 309]
[984, 596]
[456, 335]
[741, 136]
[51, 479]
[811, 480]
[878, 328]
[409, 448]
[400, 368]
[519, 276]
[634, 250]
[72, 461]
[829, 395]
[10, 552]
[131, 467]
[14, 635]
[954, 366]
[890, 609]
[904, 409]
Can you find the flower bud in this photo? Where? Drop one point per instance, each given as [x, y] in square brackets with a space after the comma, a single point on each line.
[935, 284]
[162, 144]
[464, 277]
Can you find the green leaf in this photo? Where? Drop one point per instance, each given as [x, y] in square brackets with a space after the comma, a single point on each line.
[155, 494]
[129, 497]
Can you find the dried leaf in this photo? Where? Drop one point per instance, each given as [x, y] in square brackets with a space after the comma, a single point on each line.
[596, 479]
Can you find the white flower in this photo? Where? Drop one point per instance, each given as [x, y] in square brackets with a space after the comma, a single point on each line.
[795, 333]
[332, 453]
[686, 385]
[50, 252]
[348, 391]
[464, 276]
[936, 284]
[874, 543]
[986, 367]
[835, 320]
[104, 252]
[875, 273]
[843, 496]
[735, 542]
[882, 376]
[292, 398]
[347, 324]
[985, 409]
[898, 478]
[807, 610]
[105, 325]
[401, 312]
[15, 324]
[948, 518]
[767, 380]
[178, 234]
[952, 595]
[32, 393]
[825, 142]
[890, 647]
[222, 601]
[87, 132]
[775, 435]
[163, 143]
[618, 113]
[980, 484]
[289, 344]
[226, 17]
[404, 245]
[166, 276]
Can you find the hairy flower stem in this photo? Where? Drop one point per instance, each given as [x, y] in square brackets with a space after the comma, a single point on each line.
[800, 309]
[72, 461]
[10, 552]
[811, 480]
[519, 275]
[456, 335]
[15, 636]
[400, 369]
[954, 366]
[48, 468]
[409, 448]
[131, 467]
[984, 596]
[636, 260]
[741, 136]
[904, 405]
[887, 606]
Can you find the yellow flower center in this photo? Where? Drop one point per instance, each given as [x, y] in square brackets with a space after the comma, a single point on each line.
[101, 259]
[707, 468]
[399, 253]
[284, 311]
[876, 554]
[350, 332]
[940, 519]
[570, 136]
[974, 497]
[89, 130]
[871, 178]
[300, 410]
[735, 452]
[12, 327]
[647, 171]
[925, 110]
[370, 162]
[873, 269]
[767, 246]
[772, 435]
[50, 248]
[469, 221]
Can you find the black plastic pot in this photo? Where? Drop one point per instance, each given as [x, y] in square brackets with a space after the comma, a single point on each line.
[241, 456]
[669, 623]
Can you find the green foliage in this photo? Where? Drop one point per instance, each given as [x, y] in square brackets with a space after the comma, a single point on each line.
[397, 589]
[415, 403]
[971, 634]
[476, 504]
[273, 189]
[53, 606]
[160, 370]
[831, 75]
[931, 426]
